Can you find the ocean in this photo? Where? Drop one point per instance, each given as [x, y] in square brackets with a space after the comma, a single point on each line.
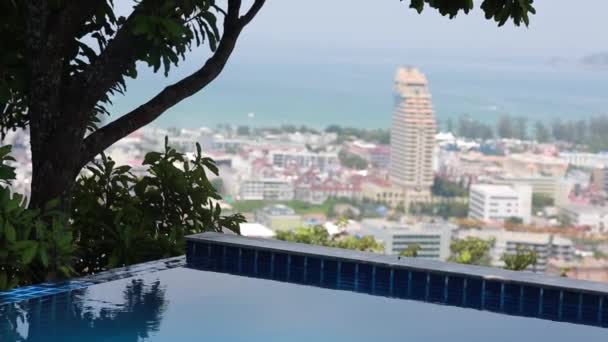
[358, 92]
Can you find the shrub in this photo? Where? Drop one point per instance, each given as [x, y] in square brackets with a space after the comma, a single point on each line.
[120, 219]
[34, 245]
[116, 219]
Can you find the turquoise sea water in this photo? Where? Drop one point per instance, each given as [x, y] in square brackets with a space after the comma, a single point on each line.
[358, 92]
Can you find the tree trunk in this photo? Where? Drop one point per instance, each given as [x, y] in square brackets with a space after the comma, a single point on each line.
[52, 176]
[56, 162]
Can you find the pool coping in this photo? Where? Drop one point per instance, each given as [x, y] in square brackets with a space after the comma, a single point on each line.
[496, 290]
[486, 273]
[37, 291]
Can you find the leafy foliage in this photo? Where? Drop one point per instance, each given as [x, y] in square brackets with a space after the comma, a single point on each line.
[471, 250]
[444, 209]
[590, 132]
[499, 10]
[411, 251]
[541, 201]
[379, 136]
[318, 235]
[521, 260]
[513, 221]
[160, 33]
[352, 161]
[474, 129]
[117, 219]
[218, 185]
[27, 246]
[120, 219]
[509, 127]
[542, 132]
[445, 188]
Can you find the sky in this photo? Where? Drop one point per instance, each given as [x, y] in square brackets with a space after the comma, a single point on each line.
[302, 27]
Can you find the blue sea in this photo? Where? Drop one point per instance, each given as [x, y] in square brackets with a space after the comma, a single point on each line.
[323, 90]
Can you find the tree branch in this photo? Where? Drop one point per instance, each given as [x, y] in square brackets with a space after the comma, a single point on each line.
[253, 11]
[173, 94]
[107, 69]
[75, 15]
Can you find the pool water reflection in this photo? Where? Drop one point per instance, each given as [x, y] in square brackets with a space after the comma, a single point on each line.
[184, 304]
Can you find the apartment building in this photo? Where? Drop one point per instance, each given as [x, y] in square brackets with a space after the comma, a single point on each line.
[434, 239]
[491, 202]
[269, 189]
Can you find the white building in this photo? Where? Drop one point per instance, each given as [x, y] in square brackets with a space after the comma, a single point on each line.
[489, 202]
[593, 217]
[545, 245]
[554, 187]
[583, 159]
[304, 159]
[528, 164]
[256, 230]
[434, 239]
[269, 189]
[278, 217]
[412, 136]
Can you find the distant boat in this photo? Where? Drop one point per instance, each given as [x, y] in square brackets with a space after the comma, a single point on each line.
[251, 115]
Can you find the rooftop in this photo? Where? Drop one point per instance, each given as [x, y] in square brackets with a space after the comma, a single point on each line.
[537, 158]
[585, 208]
[278, 210]
[386, 227]
[521, 237]
[256, 230]
[493, 189]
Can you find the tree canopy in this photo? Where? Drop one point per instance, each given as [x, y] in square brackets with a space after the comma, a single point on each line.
[61, 62]
[318, 235]
[499, 10]
[471, 250]
[411, 251]
[521, 260]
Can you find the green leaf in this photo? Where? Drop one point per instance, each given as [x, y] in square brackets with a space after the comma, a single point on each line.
[5, 94]
[9, 232]
[210, 18]
[44, 256]
[28, 252]
[212, 38]
[142, 25]
[5, 150]
[52, 204]
[122, 169]
[7, 173]
[151, 158]
[3, 281]
[418, 5]
[66, 270]
[173, 28]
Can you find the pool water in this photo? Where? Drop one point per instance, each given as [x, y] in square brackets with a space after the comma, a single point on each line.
[183, 304]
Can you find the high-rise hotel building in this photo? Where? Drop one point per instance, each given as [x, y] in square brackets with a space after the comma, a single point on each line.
[412, 136]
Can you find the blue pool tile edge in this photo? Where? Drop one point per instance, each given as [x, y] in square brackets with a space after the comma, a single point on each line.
[48, 289]
[482, 288]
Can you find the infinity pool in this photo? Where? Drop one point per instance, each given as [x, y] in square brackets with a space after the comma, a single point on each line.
[184, 304]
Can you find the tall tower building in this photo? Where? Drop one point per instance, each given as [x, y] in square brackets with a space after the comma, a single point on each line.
[412, 136]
